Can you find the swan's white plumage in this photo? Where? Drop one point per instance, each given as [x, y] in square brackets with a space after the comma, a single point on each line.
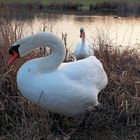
[83, 48]
[67, 88]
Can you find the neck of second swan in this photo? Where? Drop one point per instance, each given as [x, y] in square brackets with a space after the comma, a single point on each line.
[83, 40]
[51, 62]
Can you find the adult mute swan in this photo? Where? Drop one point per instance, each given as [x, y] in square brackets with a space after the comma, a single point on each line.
[83, 48]
[64, 88]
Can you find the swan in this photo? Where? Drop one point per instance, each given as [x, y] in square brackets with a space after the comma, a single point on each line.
[83, 48]
[64, 88]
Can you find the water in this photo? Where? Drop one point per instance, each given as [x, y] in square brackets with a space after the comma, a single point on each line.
[123, 31]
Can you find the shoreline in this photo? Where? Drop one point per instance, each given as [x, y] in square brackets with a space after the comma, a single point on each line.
[103, 8]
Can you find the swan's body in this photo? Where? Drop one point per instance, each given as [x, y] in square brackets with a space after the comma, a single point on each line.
[64, 88]
[83, 48]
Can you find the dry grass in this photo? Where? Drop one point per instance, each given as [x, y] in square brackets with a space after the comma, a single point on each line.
[19, 119]
[117, 117]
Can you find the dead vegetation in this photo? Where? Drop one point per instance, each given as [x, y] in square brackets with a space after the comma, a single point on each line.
[117, 116]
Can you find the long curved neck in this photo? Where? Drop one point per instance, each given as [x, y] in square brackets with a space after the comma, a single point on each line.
[51, 62]
[83, 40]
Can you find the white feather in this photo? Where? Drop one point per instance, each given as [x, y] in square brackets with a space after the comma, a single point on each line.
[64, 88]
[83, 48]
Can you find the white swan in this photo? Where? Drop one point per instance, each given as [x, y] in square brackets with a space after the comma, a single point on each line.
[64, 88]
[83, 48]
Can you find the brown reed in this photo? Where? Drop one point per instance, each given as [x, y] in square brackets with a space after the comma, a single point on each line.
[117, 116]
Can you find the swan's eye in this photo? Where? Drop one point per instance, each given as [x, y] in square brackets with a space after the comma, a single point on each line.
[11, 51]
[81, 30]
[13, 48]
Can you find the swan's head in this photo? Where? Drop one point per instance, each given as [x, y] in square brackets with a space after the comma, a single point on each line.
[28, 44]
[20, 48]
[82, 32]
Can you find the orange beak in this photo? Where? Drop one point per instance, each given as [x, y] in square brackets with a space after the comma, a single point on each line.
[81, 34]
[13, 57]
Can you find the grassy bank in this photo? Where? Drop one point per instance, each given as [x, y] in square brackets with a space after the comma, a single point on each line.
[80, 2]
[125, 7]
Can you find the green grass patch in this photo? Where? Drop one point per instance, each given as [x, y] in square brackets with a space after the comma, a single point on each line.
[82, 2]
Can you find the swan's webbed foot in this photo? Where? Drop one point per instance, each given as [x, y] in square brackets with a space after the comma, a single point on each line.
[56, 131]
[82, 122]
[58, 135]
